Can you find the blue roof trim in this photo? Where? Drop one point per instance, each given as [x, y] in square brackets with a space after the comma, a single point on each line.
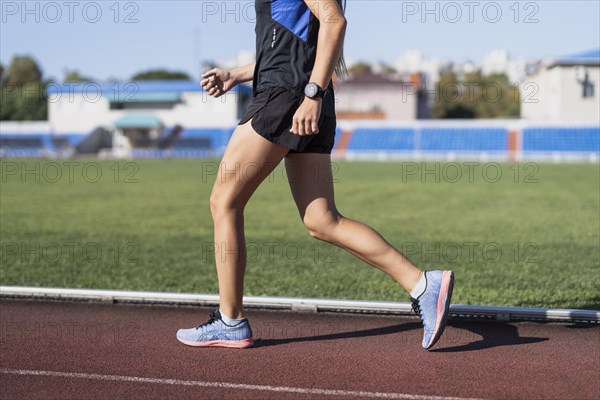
[590, 57]
[124, 89]
[138, 121]
[293, 14]
[158, 97]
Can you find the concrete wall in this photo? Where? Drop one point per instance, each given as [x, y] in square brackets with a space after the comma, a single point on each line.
[573, 105]
[77, 113]
[390, 99]
[559, 96]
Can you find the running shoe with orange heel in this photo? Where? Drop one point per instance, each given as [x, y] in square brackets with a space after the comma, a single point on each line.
[215, 332]
[433, 305]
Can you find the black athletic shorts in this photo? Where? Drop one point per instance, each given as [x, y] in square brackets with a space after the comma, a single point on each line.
[272, 111]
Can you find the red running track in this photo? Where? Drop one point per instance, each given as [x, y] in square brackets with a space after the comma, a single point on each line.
[100, 351]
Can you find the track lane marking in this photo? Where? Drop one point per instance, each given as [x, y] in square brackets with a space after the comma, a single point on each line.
[228, 385]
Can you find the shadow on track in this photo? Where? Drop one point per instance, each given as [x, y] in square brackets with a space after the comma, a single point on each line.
[492, 335]
[582, 326]
[386, 330]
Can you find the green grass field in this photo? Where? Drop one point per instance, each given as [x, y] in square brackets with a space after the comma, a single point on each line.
[527, 237]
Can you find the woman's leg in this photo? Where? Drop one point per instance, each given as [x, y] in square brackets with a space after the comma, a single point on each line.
[248, 160]
[314, 197]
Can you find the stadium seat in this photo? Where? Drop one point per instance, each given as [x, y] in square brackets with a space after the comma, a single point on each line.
[562, 139]
[463, 139]
[22, 146]
[374, 139]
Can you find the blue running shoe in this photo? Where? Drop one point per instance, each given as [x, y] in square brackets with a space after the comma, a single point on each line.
[215, 332]
[433, 305]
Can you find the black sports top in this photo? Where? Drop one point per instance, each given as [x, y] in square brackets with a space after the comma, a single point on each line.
[286, 45]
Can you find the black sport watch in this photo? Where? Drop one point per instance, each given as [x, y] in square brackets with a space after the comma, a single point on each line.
[313, 91]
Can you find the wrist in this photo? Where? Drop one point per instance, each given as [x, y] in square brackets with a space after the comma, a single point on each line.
[234, 76]
[315, 99]
[312, 90]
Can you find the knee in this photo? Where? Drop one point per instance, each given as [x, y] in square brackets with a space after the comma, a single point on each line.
[215, 203]
[322, 227]
[221, 205]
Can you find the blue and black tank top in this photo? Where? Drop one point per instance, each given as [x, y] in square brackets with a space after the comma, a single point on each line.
[286, 45]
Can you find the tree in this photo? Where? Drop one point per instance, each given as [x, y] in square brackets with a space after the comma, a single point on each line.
[473, 97]
[75, 76]
[1, 73]
[360, 68]
[23, 69]
[491, 96]
[387, 69]
[8, 104]
[503, 97]
[22, 91]
[447, 97]
[31, 103]
[160, 74]
[477, 96]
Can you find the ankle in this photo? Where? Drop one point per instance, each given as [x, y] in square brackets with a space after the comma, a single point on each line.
[419, 286]
[231, 313]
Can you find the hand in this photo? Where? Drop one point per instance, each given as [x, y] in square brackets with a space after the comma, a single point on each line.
[306, 118]
[217, 81]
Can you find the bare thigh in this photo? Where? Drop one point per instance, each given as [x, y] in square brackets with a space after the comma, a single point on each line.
[311, 182]
[248, 160]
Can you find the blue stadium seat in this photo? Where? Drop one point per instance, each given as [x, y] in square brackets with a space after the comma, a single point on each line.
[541, 142]
[58, 143]
[475, 139]
[562, 139]
[171, 153]
[149, 153]
[22, 146]
[22, 142]
[216, 137]
[374, 139]
[188, 143]
[338, 136]
[434, 139]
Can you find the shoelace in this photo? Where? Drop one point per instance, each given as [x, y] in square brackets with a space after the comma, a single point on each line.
[416, 308]
[213, 318]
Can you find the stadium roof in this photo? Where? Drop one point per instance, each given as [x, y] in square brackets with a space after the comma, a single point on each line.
[591, 57]
[138, 121]
[156, 97]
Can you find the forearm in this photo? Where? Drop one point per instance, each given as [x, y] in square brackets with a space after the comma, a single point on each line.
[329, 50]
[244, 73]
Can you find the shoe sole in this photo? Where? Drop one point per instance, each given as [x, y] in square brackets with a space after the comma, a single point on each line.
[234, 344]
[444, 299]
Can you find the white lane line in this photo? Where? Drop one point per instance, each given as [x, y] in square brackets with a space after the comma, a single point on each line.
[227, 385]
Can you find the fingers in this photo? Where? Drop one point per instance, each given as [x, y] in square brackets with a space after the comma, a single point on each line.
[308, 127]
[207, 83]
[209, 76]
[295, 124]
[213, 71]
[299, 126]
[212, 86]
[306, 118]
[216, 91]
[304, 126]
[314, 126]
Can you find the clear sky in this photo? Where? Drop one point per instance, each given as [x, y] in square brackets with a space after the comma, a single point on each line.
[109, 39]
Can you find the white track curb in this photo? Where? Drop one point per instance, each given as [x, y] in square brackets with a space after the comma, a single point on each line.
[297, 304]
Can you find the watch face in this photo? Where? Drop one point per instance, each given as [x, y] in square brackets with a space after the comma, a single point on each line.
[311, 90]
